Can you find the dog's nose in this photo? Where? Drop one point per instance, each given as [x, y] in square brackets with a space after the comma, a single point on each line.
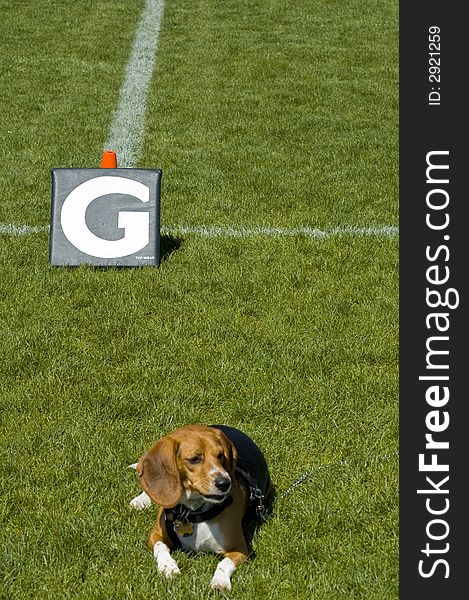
[222, 483]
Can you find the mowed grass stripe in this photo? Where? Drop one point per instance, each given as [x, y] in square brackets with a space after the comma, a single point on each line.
[283, 120]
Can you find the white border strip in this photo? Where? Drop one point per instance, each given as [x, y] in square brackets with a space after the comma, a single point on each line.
[126, 133]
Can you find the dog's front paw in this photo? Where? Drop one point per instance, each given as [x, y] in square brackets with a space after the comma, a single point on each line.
[166, 564]
[169, 569]
[220, 583]
[221, 579]
[141, 501]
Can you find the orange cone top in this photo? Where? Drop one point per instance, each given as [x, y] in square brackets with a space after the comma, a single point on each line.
[109, 160]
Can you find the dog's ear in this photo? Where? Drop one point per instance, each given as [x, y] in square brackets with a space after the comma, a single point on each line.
[158, 473]
[230, 452]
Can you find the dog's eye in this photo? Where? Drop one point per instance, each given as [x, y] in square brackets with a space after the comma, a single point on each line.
[194, 460]
[221, 456]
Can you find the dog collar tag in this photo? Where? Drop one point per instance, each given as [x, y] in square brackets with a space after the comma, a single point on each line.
[184, 529]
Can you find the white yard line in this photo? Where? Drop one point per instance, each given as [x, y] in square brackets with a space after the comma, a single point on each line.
[312, 232]
[239, 232]
[126, 133]
[11, 229]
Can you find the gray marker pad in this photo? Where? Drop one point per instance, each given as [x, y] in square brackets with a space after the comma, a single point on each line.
[105, 217]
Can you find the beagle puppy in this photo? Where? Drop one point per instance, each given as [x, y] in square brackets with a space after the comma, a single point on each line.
[206, 480]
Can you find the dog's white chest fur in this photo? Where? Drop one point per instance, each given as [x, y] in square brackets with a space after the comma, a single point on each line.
[205, 537]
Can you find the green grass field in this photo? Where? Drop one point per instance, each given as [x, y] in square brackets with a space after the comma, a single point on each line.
[264, 113]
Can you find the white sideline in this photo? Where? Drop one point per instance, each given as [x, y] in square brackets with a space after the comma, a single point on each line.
[239, 232]
[127, 128]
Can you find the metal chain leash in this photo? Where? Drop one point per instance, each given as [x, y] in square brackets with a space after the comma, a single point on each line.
[308, 473]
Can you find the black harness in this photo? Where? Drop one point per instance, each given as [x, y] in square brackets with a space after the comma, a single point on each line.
[251, 468]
